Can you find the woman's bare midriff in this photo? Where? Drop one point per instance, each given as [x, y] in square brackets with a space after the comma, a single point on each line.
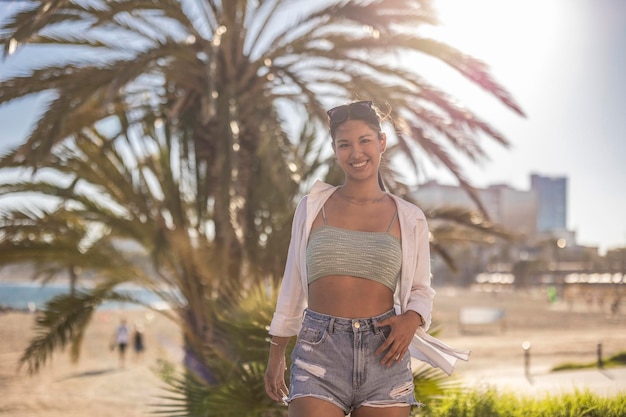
[350, 297]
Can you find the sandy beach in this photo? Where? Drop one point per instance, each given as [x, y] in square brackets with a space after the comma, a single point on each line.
[561, 332]
[97, 386]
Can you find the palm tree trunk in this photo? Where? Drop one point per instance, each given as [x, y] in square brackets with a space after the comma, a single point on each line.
[73, 279]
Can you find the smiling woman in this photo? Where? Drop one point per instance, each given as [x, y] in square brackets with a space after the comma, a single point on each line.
[354, 247]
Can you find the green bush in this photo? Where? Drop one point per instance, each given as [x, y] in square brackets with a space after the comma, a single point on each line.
[491, 403]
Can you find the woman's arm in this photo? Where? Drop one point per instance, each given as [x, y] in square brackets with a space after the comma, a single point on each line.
[275, 386]
[422, 294]
[292, 298]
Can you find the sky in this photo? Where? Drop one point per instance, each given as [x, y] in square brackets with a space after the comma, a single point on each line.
[562, 60]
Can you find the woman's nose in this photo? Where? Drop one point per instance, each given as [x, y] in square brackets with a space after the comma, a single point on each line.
[356, 150]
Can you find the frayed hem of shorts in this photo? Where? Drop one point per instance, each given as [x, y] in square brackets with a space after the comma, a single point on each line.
[320, 397]
[383, 404]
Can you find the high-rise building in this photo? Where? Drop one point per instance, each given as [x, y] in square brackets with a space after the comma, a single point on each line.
[552, 202]
[538, 214]
[514, 210]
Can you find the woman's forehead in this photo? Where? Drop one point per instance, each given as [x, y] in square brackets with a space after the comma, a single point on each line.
[354, 128]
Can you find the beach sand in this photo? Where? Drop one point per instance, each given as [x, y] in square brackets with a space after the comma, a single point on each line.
[98, 387]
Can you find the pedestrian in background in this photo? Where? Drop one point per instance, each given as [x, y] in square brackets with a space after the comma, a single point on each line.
[121, 339]
[138, 342]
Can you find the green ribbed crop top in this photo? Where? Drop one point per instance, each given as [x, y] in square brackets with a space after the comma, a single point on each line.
[376, 256]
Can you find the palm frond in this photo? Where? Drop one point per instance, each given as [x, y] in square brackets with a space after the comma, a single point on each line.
[190, 130]
[63, 321]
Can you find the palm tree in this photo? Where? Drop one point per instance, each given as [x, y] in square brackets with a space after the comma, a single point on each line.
[170, 125]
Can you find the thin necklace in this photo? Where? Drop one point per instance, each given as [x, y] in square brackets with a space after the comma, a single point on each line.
[362, 202]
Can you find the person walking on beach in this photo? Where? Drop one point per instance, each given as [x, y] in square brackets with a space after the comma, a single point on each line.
[122, 337]
[138, 342]
[353, 247]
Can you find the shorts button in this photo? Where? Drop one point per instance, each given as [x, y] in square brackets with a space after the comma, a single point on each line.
[357, 325]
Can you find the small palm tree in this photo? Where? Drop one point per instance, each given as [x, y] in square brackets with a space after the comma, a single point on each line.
[170, 125]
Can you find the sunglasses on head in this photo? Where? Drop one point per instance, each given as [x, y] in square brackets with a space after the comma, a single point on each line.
[359, 109]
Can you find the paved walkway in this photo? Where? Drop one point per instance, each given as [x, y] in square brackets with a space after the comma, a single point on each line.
[600, 381]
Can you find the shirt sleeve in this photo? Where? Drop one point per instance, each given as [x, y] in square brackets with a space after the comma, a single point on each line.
[422, 294]
[292, 297]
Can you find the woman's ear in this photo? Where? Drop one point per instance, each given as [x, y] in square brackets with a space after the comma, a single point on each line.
[382, 137]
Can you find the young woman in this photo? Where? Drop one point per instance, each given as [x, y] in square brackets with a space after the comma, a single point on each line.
[355, 253]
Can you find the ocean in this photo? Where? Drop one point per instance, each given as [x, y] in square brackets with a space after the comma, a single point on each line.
[33, 296]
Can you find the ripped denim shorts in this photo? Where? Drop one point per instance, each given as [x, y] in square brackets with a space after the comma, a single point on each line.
[334, 360]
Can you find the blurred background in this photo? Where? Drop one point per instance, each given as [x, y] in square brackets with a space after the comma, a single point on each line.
[151, 155]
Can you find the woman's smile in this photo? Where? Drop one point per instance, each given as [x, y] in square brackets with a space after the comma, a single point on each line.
[358, 164]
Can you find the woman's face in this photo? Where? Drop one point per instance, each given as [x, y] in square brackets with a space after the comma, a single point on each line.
[358, 148]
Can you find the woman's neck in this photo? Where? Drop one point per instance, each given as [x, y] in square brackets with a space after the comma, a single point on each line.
[361, 194]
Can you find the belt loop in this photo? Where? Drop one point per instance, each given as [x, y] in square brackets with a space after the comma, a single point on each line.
[331, 325]
[376, 328]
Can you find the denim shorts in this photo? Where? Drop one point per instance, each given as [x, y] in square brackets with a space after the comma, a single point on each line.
[334, 360]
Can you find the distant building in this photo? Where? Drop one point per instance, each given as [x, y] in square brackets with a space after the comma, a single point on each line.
[537, 214]
[546, 254]
[552, 202]
[513, 209]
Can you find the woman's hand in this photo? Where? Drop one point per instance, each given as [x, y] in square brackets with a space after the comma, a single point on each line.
[403, 329]
[275, 372]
